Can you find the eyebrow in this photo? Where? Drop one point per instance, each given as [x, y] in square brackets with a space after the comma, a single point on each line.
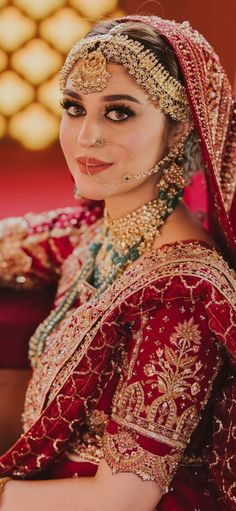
[113, 97]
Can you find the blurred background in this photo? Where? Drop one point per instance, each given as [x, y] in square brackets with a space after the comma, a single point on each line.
[35, 37]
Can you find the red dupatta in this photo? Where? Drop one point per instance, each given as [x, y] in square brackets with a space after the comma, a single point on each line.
[213, 111]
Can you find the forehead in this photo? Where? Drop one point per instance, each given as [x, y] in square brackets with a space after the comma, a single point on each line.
[119, 81]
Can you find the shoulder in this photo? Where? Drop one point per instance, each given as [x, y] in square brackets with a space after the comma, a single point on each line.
[184, 273]
[185, 276]
[184, 268]
[86, 213]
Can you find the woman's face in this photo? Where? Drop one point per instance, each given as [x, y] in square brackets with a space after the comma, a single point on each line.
[130, 126]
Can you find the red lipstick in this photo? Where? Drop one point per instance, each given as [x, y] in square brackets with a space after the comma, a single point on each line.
[92, 166]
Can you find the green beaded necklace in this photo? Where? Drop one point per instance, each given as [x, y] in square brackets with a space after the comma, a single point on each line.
[118, 263]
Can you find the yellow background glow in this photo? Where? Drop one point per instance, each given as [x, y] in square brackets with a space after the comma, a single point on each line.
[34, 39]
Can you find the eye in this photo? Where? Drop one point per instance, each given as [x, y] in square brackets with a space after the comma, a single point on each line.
[73, 109]
[118, 113]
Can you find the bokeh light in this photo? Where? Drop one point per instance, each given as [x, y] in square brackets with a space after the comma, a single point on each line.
[3, 60]
[49, 95]
[64, 28]
[39, 9]
[3, 125]
[15, 29]
[15, 93]
[35, 127]
[92, 9]
[34, 39]
[36, 61]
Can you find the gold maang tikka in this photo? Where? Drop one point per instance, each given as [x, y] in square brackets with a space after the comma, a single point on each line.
[91, 74]
[92, 54]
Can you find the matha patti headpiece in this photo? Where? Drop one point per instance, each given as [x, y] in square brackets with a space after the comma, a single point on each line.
[91, 75]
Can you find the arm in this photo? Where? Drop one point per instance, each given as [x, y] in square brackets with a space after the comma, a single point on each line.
[103, 492]
[33, 248]
[165, 382]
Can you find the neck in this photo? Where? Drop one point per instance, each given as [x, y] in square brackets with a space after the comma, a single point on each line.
[122, 204]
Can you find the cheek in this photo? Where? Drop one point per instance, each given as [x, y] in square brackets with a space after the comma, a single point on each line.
[67, 145]
[63, 134]
[66, 136]
[145, 145]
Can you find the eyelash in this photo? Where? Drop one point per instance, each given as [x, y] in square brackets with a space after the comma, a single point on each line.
[121, 108]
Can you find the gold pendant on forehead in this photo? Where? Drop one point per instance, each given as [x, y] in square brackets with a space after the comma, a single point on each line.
[91, 73]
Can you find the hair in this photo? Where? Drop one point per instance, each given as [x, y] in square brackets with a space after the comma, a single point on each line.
[150, 38]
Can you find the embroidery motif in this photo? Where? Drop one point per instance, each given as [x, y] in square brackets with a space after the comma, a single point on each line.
[67, 346]
[14, 262]
[175, 373]
[88, 445]
[124, 454]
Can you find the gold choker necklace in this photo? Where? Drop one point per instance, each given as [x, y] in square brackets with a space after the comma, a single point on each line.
[119, 243]
[142, 224]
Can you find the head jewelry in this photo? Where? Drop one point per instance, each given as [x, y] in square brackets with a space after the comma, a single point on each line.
[92, 54]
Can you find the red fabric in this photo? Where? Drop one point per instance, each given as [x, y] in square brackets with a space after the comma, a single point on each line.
[20, 313]
[214, 119]
[25, 458]
[48, 240]
[191, 490]
[35, 452]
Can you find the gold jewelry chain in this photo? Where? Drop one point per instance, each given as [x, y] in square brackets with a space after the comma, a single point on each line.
[121, 242]
[127, 238]
[145, 222]
[92, 54]
[175, 152]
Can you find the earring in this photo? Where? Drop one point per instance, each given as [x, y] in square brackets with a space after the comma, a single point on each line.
[77, 194]
[171, 187]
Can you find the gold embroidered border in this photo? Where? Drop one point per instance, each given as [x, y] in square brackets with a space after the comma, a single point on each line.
[79, 338]
[123, 454]
[155, 434]
[117, 293]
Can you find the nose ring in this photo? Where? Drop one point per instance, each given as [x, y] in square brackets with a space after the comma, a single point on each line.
[98, 142]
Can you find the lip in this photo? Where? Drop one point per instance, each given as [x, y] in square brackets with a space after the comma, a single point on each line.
[92, 165]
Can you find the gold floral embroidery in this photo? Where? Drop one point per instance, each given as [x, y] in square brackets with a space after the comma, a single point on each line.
[187, 333]
[23, 239]
[64, 352]
[88, 444]
[14, 262]
[176, 373]
[124, 454]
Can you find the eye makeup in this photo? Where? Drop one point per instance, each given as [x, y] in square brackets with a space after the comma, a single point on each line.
[121, 111]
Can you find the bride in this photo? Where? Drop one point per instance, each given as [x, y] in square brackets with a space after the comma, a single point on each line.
[131, 405]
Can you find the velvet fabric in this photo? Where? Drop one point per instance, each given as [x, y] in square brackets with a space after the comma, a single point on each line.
[183, 292]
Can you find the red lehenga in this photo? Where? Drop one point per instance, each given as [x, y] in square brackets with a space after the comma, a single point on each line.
[143, 376]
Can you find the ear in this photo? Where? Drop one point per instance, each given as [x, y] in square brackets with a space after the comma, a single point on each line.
[177, 131]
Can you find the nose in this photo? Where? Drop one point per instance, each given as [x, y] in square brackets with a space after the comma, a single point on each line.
[89, 132]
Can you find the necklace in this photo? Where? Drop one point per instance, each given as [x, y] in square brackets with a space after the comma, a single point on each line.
[118, 243]
[127, 238]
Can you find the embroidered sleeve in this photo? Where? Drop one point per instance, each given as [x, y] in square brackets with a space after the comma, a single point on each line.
[33, 248]
[166, 380]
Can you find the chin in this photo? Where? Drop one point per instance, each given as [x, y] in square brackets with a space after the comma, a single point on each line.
[91, 194]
